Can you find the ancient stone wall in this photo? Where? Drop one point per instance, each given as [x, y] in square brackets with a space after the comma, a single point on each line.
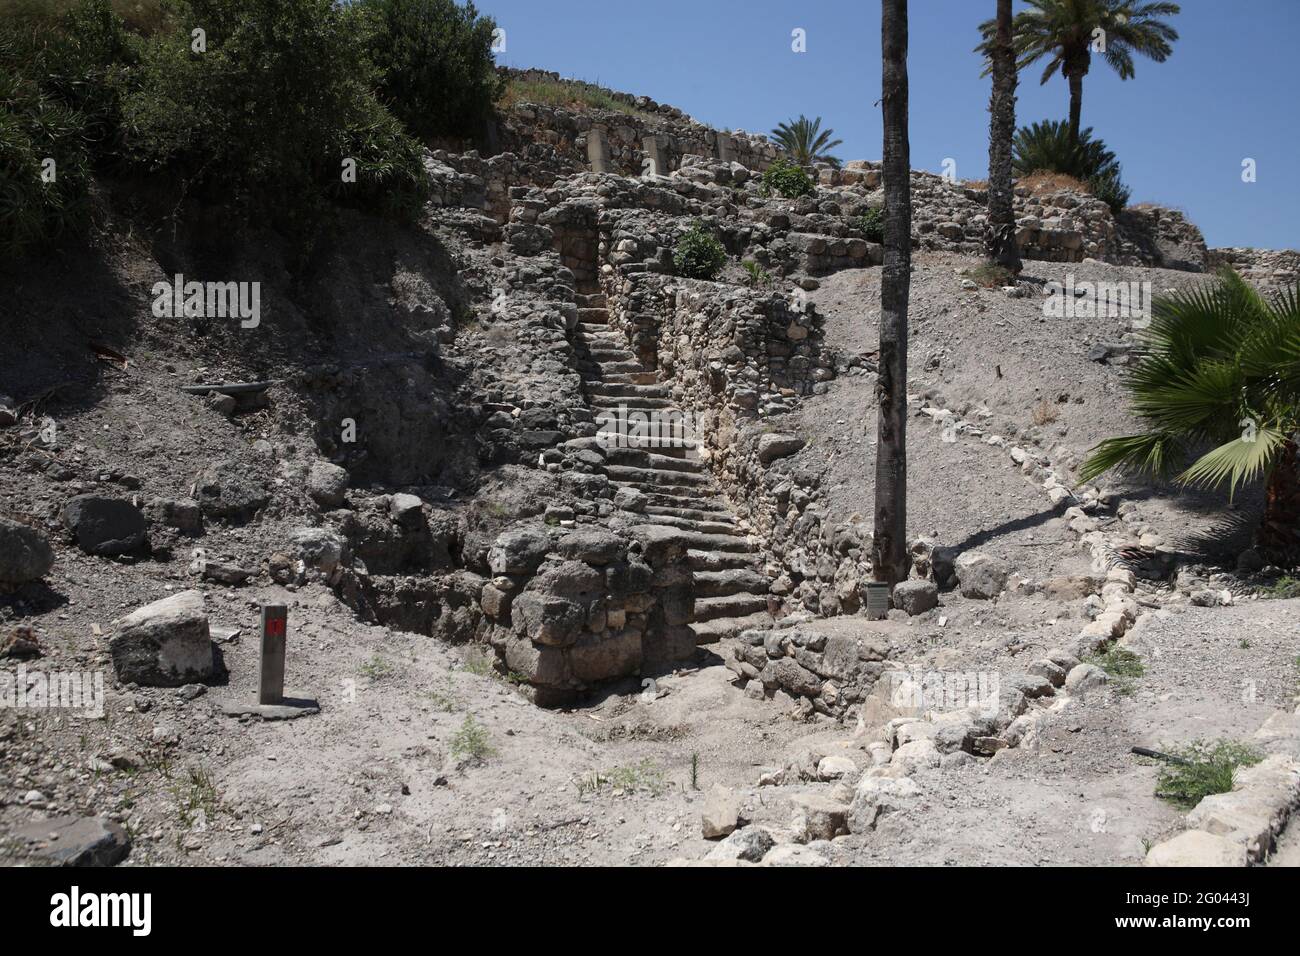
[1266, 266]
[568, 611]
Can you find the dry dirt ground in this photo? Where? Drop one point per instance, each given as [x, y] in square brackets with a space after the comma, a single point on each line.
[392, 770]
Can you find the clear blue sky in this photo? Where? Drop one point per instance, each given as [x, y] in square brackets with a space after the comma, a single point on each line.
[1180, 128]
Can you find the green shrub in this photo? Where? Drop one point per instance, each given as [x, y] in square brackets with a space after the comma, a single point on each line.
[788, 181]
[872, 224]
[265, 117]
[756, 275]
[436, 71]
[1207, 770]
[698, 255]
[1046, 148]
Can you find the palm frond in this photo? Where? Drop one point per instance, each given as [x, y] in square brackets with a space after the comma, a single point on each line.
[1234, 463]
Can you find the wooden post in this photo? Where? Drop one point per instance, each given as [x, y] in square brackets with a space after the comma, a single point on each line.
[270, 682]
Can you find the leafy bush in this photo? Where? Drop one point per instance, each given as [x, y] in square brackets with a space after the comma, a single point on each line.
[437, 74]
[872, 224]
[1207, 770]
[698, 255]
[788, 181]
[1046, 148]
[266, 116]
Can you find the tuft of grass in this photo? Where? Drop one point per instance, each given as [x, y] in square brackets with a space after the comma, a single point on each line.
[990, 275]
[1282, 588]
[479, 663]
[445, 698]
[472, 741]
[377, 668]
[195, 794]
[1045, 413]
[1122, 666]
[1208, 770]
[695, 771]
[756, 275]
[563, 94]
[643, 776]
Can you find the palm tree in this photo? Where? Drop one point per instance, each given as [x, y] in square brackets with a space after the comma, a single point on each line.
[1220, 366]
[806, 141]
[1066, 31]
[889, 558]
[1000, 237]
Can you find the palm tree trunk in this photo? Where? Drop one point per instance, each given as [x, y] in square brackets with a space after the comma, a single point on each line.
[889, 556]
[1000, 240]
[1279, 535]
[1075, 76]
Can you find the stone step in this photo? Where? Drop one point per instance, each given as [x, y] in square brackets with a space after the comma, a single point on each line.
[693, 513]
[593, 300]
[694, 524]
[622, 390]
[629, 378]
[712, 505]
[732, 581]
[636, 458]
[679, 493]
[680, 448]
[591, 328]
[637, 403]
[605, 369]
[721, 542]
[603, 350]
[599, 318]
[704, 560]
[723, 628]
[631, 423]
[729, 605]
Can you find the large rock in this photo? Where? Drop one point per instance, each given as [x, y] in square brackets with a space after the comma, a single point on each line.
[721, 813]
[25, 555]
[916, 596]
[593, 545]
[105, 526]
[327, 484]
[980, 575]
[228, 492]
[75, 841]
[1084, 678]
[164, 644]
[519, 551]
[774, 446]
[876, 796]
[1197, 848]
[750, 844]
[319, 548]
[818, 817]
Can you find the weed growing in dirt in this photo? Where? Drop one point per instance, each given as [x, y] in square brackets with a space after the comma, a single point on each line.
[377, 668]
[990, 275]
[756, 275]
[644, 776]
[196, 797]
[472, 741]
[1122, 666]
[445, 698]
[1208, 770]
[1045, 413]
[695, 771]
[478, 663]
[1282, 588]
[872, 224]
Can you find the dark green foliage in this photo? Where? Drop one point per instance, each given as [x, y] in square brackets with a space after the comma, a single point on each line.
[1047, 147]
[872, 224]
[265, 117]
[806, 141]
[698, 255]
[436, 71]
[1208, 770]
[788, 181]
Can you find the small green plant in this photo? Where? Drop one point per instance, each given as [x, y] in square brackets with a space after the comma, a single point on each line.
[377, 668]
[1287, 587]
[698, 255]
[643, 776]
[472, 741]
[196, 797]
[1244, 644]
[478, 663]
[990, 275]
[756, 275]
[872, 224]
[1208, 769]
[695, 771]
[1122, 666]
[445, 698]
[791, 182]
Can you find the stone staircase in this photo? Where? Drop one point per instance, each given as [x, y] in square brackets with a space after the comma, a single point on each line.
[731, 588]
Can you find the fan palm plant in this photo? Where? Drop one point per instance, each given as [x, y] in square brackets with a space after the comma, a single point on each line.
[1067, 32]
[1220, 366]
[806, 141]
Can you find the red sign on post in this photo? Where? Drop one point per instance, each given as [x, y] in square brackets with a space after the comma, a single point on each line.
[275, 627]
